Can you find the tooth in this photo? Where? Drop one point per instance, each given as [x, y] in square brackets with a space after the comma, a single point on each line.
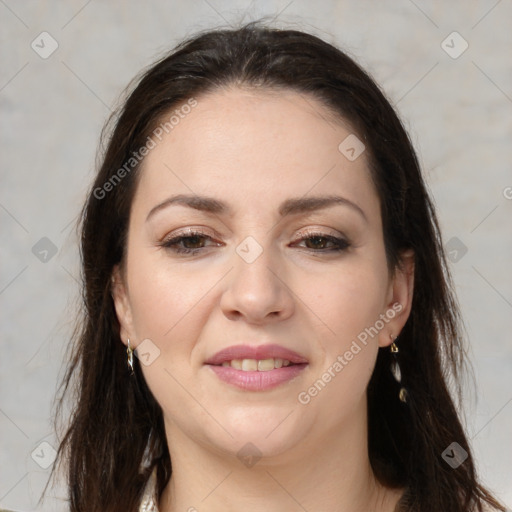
[237, 364]
[264, 365]
[249, 365]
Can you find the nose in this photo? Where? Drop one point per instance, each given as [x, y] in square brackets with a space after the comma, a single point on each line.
[257, 291]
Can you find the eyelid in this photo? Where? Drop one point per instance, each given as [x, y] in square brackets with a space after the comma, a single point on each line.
[176, 238]
[189, 231]
[339, 241]
[318, 231]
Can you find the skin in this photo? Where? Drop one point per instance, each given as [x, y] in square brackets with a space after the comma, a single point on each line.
[253, 150]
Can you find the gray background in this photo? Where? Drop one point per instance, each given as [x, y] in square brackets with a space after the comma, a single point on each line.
[458, 112]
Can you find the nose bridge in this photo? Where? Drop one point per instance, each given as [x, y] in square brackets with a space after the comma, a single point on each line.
[252, 266]
[255, 289]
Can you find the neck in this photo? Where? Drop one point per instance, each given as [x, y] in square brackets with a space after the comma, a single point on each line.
[332, 474]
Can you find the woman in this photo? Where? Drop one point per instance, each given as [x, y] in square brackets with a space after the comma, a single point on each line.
[260, 237]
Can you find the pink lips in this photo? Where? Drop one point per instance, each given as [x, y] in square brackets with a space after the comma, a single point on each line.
[256, 380]
[260, 352]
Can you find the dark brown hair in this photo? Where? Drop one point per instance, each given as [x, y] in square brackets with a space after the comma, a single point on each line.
[116, 423]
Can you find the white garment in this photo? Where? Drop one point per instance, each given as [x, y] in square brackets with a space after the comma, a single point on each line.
[149, 502]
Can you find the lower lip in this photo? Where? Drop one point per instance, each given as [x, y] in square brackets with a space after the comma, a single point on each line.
[257, 381]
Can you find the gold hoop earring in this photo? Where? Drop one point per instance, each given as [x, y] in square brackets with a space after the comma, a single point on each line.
[395, 369]
[129, 352]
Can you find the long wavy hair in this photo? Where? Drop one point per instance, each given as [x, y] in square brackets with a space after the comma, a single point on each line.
[115, 435]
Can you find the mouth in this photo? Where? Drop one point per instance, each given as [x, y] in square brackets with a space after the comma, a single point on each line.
[257, 368]
[257, 365]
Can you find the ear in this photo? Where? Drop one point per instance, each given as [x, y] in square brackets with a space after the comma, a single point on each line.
[121, 299]
[399, 299]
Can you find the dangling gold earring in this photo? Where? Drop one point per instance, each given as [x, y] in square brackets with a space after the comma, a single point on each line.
[395, 369]
[129, 351]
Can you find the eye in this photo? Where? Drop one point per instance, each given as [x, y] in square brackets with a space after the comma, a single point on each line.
[321, 242]
[195, 241]
[190, 243]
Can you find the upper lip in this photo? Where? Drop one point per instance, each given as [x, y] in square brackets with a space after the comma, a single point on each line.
[255, 352]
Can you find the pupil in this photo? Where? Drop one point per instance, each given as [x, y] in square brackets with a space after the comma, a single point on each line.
[317, 241]
[193, 240]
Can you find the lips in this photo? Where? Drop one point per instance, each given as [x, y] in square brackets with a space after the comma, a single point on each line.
[259, 368]
[261, 352]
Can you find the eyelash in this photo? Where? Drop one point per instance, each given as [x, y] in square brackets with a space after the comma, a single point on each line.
[171, 244]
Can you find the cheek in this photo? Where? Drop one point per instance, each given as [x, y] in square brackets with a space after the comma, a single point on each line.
[348, 301]
[165, 297]
[170, 307]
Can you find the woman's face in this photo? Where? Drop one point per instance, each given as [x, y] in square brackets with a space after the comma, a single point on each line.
[271, 258]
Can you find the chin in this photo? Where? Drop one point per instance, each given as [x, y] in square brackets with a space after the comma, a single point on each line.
[259, 436]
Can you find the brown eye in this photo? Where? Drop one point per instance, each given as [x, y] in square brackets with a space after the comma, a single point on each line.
[319, 242]
[191, 243]
[194, 241]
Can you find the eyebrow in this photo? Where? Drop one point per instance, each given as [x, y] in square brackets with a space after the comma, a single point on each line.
[292, 206]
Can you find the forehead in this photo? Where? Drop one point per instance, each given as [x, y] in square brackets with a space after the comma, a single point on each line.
[262, 145]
